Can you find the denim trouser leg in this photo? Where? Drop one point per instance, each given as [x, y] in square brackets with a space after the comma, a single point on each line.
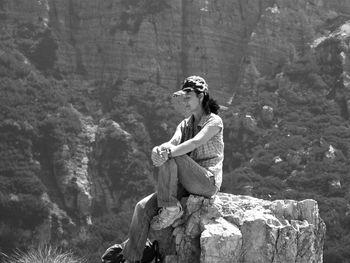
[184, 170]
[167, 184]
[144, 211]
[181, 169]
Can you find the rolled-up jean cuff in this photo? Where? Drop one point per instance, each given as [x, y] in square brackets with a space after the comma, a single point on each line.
[212, 179]
[162, 203]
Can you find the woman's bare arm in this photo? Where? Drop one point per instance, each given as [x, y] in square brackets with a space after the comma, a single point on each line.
[201, 138]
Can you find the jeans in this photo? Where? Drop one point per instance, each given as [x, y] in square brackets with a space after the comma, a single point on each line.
[179, 171]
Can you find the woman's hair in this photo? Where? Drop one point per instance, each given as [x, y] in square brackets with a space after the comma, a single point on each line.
[209, 105]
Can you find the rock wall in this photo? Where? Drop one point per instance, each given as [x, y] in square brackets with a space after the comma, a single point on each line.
[163, 41]
[152, 40]
[230, 228]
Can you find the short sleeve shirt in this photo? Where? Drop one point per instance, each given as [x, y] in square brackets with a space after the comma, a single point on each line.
[211, 154]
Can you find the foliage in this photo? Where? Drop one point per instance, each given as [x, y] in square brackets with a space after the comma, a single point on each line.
[22, 183]
[106, 230]
[38, 44]
[23, 210]
[36, 120]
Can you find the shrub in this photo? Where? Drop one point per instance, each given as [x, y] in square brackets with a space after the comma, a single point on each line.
[301, 68]
[22, 184]
[23, 210]
[29, 185]
[262, 161]
[236, 181]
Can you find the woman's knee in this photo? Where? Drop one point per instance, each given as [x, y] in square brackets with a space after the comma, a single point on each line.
[171, 162]
[140, 207]
[147, 207]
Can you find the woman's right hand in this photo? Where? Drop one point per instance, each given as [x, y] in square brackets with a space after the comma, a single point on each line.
[157, 157]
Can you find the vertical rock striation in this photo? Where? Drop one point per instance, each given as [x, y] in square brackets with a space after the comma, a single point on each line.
[148, 40]
[162, 41]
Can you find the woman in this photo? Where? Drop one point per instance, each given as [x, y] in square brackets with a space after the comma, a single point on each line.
[191, 160]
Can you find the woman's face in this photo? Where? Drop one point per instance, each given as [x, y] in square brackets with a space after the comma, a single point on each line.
[192, 102]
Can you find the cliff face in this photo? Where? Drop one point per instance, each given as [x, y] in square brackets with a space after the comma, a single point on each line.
[159, 41]
[163, 41]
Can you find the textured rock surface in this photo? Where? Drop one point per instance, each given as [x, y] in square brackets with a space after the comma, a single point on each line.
[230, 228]
[334, 51]
[149, 40]
[152, 39]
[163, 41]
[75, 184]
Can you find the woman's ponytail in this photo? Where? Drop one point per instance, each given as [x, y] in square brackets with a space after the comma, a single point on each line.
[213, 106]
[210, 105]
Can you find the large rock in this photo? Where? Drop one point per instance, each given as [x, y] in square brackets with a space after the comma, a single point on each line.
[232, 228]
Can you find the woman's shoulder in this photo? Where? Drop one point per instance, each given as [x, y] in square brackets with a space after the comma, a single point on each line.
[215, 117]
[212, 120]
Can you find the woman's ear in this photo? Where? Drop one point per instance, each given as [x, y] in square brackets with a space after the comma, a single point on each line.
[201, 97]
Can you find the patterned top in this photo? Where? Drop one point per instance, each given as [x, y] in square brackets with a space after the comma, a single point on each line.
[211, 154]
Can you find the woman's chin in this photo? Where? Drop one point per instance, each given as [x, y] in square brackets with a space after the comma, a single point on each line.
[187, 111]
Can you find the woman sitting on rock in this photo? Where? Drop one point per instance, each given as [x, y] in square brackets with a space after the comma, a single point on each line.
[190, 163]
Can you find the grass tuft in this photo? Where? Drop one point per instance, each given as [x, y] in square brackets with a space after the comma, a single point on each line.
[45, 254]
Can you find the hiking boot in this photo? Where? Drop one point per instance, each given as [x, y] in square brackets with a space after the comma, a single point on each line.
[166, 217]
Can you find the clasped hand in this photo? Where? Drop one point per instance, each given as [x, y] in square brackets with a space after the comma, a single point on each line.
[159, 156]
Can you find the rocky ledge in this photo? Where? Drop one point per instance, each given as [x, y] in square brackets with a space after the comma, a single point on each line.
[235, 228]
